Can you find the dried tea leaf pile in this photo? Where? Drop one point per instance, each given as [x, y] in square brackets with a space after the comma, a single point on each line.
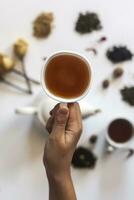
[83, 158]
[128, 95]
[88, 22]
[118, 54]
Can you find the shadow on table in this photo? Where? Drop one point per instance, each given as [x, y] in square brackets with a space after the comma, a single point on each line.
[112, 177]
[21, 145]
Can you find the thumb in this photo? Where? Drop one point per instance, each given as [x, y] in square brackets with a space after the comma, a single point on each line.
[60, 120]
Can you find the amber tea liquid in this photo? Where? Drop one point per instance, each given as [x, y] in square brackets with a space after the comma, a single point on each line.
[67, 76]
[120, 130]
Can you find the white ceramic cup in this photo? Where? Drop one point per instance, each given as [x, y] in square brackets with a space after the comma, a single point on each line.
[112, 145]
[59, 53]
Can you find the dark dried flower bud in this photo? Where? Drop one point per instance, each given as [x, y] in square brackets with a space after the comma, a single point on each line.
[93, 139]
[105, 84]
[118, 72]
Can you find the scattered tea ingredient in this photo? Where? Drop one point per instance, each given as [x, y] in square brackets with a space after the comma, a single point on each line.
[91, 113]
[118, 72]
[105, 84]
[88, 22]
[128, 95]
[93, 139]
[83, 158]
[91, 49]
[42, 25]
[131, 153]
[44, 58]
[6, 64]
[102, 39]
[20, 48]
[118, 54]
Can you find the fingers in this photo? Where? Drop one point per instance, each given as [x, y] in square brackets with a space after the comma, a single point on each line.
[50, 121]
[52, 112]
[60, 120]
[50, 124]
[51, 118]
[75, 120]
[74, 123]
[65, 117]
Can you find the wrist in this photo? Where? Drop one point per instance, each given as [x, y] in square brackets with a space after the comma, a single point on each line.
[59, 177]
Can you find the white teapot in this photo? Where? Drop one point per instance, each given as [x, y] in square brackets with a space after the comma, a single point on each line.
[43, 108]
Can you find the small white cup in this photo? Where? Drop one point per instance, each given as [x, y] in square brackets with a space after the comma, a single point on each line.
[56, 54]
[112, 145]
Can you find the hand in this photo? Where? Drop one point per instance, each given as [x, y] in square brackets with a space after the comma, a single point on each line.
[65, 127]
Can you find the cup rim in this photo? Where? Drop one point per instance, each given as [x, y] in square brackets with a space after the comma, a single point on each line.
[118, 144]
[57, 98]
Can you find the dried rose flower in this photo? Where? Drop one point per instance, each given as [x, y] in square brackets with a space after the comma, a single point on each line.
[6, 64]
[20, 48]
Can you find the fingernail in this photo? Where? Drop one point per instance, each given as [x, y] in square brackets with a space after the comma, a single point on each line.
[63, 110]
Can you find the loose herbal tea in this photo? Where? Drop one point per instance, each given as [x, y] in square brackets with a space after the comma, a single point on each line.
[88, 22]
[42, 25]
[83, 158]
[118, 54]
[128, 95]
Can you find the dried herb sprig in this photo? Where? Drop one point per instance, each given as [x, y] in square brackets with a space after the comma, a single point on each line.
[22, 74]
[20, 48]
[3, 80]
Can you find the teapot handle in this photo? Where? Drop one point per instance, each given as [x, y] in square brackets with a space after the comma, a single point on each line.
[27, 110]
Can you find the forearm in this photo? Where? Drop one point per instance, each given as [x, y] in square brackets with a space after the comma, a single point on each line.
[61, 188]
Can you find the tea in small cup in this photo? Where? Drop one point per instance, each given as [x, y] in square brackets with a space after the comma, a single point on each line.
[66, 76]
[120, 133]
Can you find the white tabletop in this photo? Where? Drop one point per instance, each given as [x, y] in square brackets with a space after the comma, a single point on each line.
[22, 175]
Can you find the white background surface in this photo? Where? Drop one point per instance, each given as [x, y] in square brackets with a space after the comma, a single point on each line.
[22, 175]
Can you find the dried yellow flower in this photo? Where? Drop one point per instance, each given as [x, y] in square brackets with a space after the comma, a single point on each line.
[6, 64]
[20, 48]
